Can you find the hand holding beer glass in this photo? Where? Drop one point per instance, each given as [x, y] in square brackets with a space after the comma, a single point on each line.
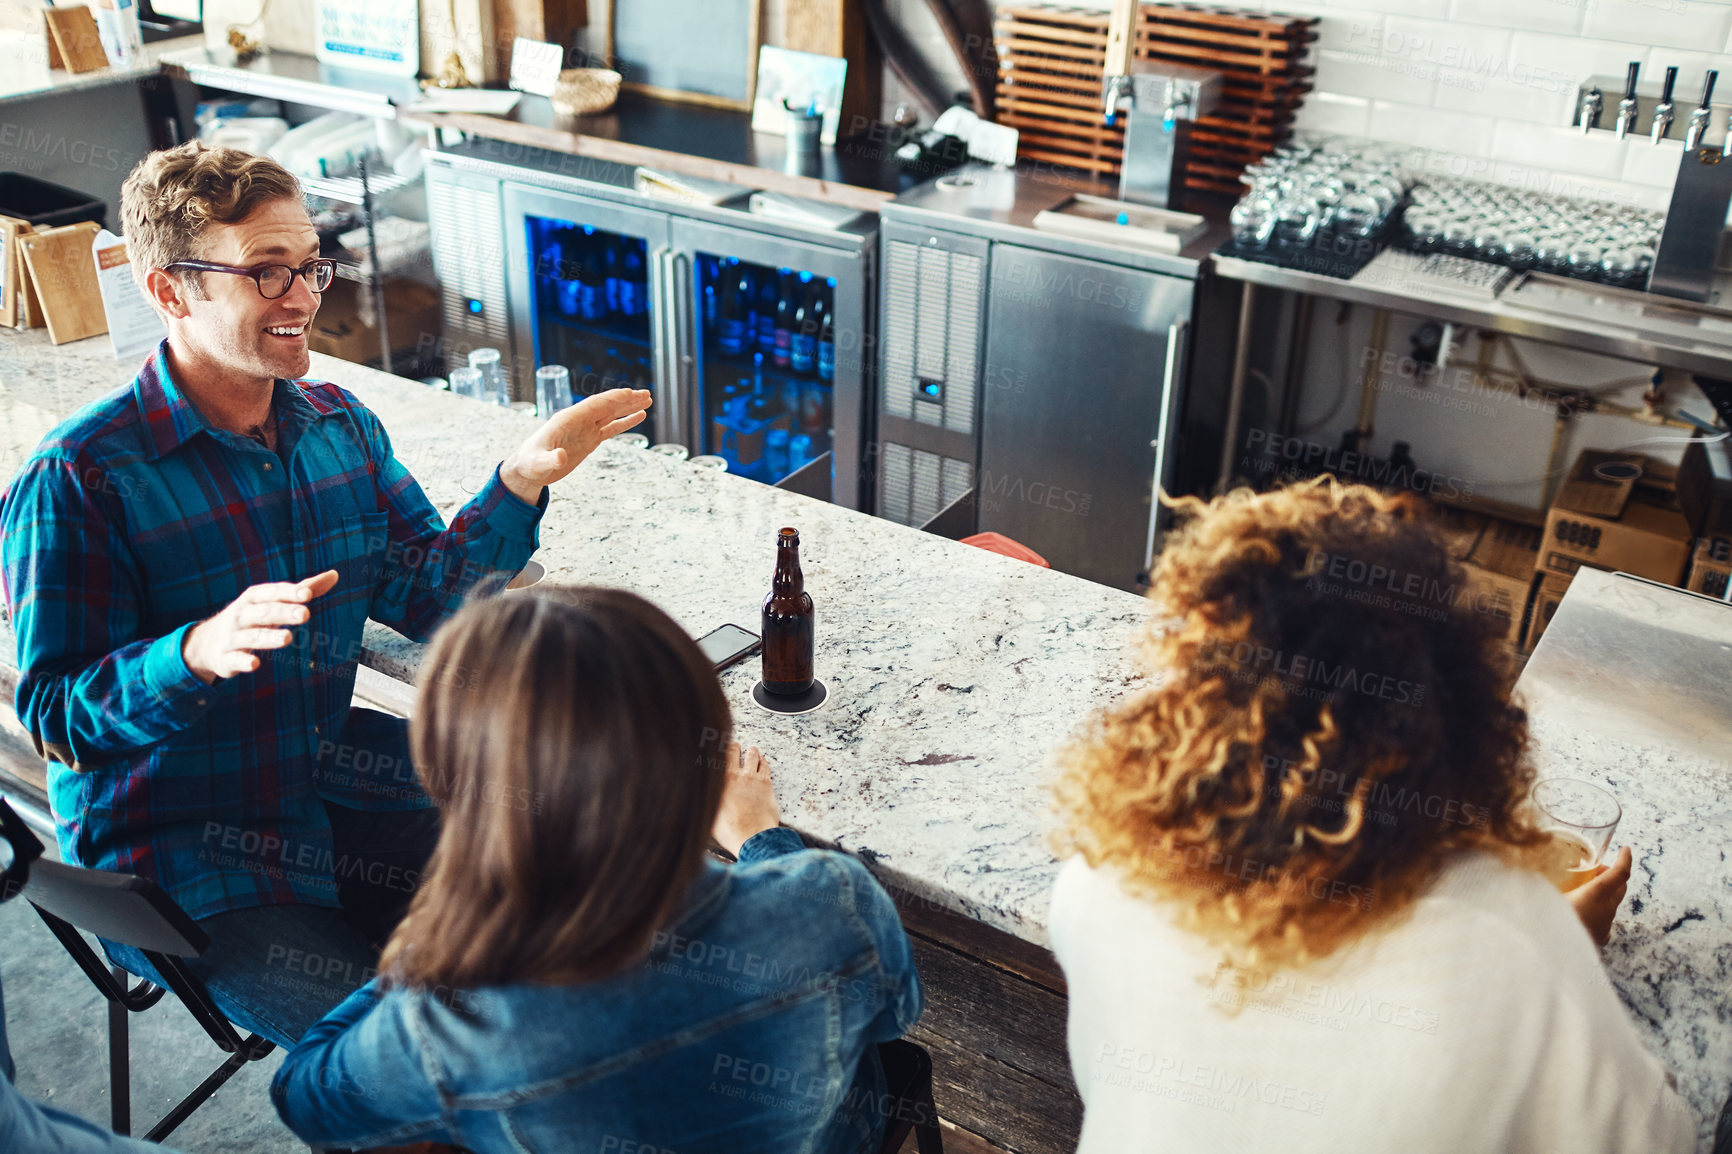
[1581, 818]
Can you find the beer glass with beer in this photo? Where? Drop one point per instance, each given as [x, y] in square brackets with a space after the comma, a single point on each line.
[1581, 818]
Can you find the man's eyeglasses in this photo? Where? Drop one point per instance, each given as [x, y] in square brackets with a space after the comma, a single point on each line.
[273, 279]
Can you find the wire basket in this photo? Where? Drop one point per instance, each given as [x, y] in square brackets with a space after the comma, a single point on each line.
[584, 91]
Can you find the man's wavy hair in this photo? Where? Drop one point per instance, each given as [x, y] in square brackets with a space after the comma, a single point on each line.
[172, 196]
[1332, 720]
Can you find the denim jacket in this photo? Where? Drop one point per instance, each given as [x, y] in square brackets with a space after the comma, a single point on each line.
[749, 1028]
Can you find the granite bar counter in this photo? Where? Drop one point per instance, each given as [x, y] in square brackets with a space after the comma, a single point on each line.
[955, 675]
[953, 672]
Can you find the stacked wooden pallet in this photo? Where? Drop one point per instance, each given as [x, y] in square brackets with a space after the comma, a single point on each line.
[1049, 87]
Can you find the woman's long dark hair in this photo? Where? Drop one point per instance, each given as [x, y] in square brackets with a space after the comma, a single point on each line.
[574, 739]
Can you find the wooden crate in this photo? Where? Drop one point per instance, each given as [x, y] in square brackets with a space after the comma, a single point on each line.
[1051, 61]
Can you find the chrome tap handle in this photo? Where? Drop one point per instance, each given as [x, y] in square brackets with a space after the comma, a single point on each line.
[1663, 110]
[1180, 103]
[1591, 102]
[1627, 106]
[1114, 91]
[1704, 113]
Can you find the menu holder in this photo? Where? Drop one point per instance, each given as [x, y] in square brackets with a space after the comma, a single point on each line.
[73, 40]
[11, 269]
[19, 307]
[64, 274]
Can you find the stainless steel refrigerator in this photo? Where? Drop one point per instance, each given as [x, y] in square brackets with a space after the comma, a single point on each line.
[1031, 382]
[747, 327]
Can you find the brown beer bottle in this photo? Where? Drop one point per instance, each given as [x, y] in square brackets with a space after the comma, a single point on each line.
[788, 620]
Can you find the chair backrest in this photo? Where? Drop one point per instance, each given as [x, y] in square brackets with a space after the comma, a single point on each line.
[132, 911]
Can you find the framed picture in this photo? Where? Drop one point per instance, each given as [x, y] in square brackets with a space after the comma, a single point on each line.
[801, 79]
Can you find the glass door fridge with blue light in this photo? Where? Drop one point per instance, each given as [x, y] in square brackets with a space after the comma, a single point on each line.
[776, 379]
[592, 289]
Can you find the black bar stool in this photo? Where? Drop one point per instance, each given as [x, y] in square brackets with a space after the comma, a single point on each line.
[134, 911]
[908, 1078]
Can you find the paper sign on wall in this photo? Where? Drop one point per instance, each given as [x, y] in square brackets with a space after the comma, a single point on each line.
[134, 326]
[374, 35]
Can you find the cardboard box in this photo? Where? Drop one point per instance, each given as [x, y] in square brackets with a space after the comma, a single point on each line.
[344, 328]
[1500, 571]
[1711, 566]
[1546, 601]
[1705, 482]
[1619, 511]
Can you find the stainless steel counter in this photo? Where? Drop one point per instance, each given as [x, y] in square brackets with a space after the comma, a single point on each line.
[1002, 203]
[25, 75]
[1648, 662]
[1606, 323]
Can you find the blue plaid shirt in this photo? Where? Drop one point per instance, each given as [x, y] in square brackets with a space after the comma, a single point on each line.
[136, 519]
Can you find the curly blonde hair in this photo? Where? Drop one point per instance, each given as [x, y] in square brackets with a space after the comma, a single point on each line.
[170, 198]
[1332, 720]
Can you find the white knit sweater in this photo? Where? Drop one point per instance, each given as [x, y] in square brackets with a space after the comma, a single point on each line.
[1483, 1022]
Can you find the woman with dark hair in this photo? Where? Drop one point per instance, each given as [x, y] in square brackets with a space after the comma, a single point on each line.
[1305, 911]
[575, 971]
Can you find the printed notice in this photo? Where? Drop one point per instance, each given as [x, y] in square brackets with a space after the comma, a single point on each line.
[133, 325]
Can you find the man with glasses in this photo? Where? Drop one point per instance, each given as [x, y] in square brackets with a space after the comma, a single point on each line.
[189, 563]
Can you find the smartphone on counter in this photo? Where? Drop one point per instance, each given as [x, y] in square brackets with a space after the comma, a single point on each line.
[729, 645]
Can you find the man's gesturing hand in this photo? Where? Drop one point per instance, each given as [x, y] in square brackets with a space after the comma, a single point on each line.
[223, 646]
[567, 437]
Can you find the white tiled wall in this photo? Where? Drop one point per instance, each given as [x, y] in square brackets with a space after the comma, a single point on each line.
[1488, 84]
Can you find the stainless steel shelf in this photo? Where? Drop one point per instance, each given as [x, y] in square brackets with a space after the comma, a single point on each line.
[348, 188]
[1598, 327]
[297, 79]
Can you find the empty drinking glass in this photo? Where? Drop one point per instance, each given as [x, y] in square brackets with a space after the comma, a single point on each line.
[1358, 214]
[1252, 220]
[1296, 222]
[492, 375]
[468, 382]
[552, 389]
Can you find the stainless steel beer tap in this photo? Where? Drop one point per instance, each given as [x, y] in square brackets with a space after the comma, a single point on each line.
[1627, 106]
[1704, 112]
[1115, 90]
[1591, 102]
[1663, 110]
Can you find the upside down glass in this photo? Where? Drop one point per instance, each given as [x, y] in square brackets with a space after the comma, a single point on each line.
[1581, 818]
[552, 389]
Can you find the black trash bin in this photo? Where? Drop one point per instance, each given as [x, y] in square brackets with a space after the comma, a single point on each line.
[47, 205]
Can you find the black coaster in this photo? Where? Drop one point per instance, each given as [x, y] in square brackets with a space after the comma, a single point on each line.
[782, 703]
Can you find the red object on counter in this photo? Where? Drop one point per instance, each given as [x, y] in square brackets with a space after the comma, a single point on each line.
[999, 543]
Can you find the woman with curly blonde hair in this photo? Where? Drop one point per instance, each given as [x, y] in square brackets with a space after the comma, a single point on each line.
[1301, 911]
